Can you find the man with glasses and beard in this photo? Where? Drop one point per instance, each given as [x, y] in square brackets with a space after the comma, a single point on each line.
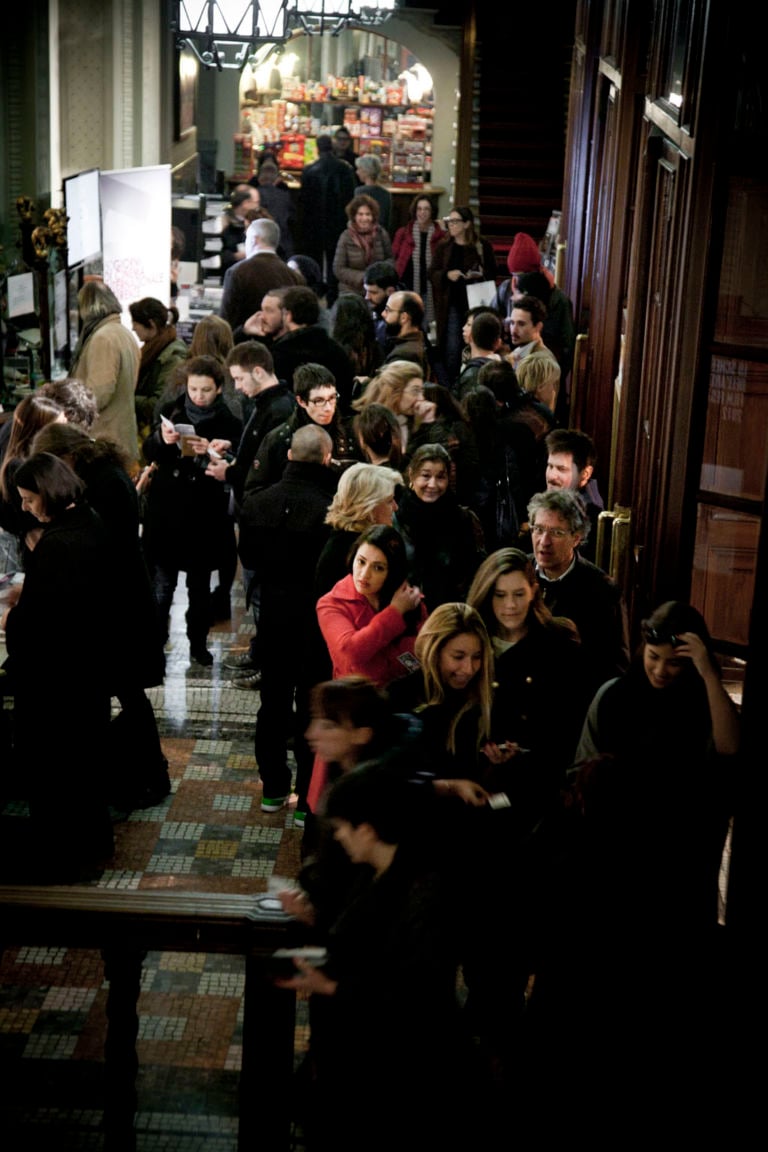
[403, 314]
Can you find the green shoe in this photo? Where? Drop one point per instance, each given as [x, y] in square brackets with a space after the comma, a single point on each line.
[273, 804]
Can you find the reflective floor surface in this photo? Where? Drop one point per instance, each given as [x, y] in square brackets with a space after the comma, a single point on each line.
[209, 835]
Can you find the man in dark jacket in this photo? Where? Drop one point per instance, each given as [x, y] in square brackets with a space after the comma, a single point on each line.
[482, 333]
[306, 341]
[571, 464]
[251, 368]
[576, 589]
[404, 316]
[282, 532]
[246, 282]
[327, 186]
[316, 403]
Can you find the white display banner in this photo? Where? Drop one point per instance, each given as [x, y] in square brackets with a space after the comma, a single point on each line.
[136, 233]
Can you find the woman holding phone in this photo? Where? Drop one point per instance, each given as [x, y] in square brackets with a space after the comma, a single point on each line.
[187, 520]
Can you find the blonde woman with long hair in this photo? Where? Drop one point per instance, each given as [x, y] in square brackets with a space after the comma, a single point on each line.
[452, 694]
[399, 386]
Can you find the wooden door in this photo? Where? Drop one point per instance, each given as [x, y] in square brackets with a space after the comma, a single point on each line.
[657, 423]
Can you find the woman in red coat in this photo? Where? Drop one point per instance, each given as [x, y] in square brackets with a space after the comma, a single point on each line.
[413, 246]
[370, 619]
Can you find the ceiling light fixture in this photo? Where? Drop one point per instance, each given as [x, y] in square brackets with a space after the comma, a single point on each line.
[225, 33]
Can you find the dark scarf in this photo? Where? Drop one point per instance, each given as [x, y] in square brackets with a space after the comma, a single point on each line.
[195, 414]
[435, 521]
[85, 334]
[152, 348]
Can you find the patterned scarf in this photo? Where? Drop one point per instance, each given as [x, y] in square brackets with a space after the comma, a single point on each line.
[421, 282]
[365, 241]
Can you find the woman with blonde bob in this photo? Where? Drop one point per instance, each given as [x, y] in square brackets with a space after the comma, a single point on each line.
[365, 496]
[538, 374]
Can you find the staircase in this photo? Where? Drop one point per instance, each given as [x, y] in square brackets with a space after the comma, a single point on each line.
[522, 125]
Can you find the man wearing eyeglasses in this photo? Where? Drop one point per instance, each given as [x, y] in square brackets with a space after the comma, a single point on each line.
[573, 587]
[403, 314]
[381, 280]
[316, 403]
[571, 464]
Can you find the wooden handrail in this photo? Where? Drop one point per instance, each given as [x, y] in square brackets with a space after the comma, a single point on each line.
[178, 921]
[124, 925]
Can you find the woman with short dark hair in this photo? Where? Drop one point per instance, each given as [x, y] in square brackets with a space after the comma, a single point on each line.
[443, 538]
[377, 432]
[187, 526]
[372, 617]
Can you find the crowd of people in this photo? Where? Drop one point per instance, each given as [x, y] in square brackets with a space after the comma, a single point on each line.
[486, 779]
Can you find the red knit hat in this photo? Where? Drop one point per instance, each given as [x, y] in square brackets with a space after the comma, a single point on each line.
[524, 255]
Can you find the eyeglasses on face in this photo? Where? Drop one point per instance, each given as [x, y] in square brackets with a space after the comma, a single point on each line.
[453, 220]
[555, 533]
[323, 401]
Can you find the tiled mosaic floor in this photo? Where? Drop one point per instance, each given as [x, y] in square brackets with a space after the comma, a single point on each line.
[209, 835]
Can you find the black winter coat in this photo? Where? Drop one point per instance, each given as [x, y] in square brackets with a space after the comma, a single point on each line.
[272, 457]
[269, 410]
[312, 345]
[57, 636]
[444, 545]
[110, 491]
[186, 523]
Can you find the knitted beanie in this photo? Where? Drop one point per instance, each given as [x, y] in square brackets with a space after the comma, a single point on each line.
[524, 255]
